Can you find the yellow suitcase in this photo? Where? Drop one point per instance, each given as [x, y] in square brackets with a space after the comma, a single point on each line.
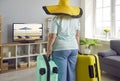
[88, 68]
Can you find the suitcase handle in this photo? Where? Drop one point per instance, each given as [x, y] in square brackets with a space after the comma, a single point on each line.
[82, 53]
[50, 58]
[79, 53]
[91, 71]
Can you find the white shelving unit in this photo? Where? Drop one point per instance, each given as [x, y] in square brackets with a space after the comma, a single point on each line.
[21, 55]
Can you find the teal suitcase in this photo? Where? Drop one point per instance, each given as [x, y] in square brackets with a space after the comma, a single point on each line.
[46, 69]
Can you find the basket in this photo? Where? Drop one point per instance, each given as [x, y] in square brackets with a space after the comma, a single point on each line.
[4, 67]
[32, 63]
[23, 65]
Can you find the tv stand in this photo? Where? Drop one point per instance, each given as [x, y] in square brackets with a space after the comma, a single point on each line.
[27, 41]
[15, 56]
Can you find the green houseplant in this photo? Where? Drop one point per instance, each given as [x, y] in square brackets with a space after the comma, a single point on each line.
[89, 43]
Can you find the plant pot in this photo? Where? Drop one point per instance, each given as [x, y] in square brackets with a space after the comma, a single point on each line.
[87, 51]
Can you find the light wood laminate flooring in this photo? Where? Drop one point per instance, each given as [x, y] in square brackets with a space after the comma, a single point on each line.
[30, 75]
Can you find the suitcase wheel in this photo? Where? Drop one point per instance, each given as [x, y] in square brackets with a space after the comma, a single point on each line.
[55, 70]
[42, 71]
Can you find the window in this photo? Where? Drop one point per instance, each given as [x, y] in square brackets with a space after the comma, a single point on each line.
[117, 18]
[107, 16]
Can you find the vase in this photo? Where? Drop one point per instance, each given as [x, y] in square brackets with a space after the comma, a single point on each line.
[107, 36]
[87, 50]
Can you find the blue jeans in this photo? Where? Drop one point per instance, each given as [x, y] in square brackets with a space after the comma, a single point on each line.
[66, 62]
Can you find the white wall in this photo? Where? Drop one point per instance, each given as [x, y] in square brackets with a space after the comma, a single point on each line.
[24, 11]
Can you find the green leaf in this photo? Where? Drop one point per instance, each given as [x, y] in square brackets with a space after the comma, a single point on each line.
[89, 42]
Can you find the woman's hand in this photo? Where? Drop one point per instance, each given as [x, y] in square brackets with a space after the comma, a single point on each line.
[49, 51]
[51, 40]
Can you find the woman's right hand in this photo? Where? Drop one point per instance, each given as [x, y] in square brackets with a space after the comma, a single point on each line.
[49, 51]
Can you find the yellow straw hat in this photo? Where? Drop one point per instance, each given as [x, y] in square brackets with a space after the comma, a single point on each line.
[63, 8]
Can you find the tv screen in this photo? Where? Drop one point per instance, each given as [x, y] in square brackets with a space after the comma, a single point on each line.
[27, 32]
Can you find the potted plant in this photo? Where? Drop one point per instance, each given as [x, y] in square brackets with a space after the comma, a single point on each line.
[106, 30]
[89, 43]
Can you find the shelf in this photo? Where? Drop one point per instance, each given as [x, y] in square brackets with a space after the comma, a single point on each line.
[14, 44]
[15, 53]
[34, 48]
[22, 56]
[34, 54]
[8, 64]
[4, 58]
[8, 51]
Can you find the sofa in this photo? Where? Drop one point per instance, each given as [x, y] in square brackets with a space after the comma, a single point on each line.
[110, 59]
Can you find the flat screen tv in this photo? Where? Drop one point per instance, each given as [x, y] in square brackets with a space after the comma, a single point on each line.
[26, 33]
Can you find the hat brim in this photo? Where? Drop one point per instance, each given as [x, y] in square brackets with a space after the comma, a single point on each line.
[72, 11]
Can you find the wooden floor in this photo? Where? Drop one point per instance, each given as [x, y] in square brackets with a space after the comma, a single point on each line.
[29, 75]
